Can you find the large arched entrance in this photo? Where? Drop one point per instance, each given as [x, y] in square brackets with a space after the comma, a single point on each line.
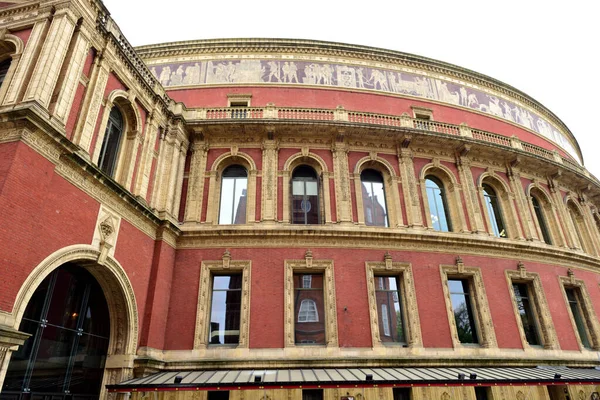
[80, 309]
[68, 320]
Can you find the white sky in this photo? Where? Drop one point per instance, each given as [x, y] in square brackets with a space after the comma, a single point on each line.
[548, 49]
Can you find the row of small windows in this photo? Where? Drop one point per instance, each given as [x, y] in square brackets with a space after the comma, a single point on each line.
[310, 316]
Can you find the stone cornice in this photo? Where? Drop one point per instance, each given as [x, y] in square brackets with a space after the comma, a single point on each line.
[199, 236]
[322, 48]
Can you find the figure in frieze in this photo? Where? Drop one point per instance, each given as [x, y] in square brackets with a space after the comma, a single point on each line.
[494, 106]
[327, 74]
[472, 101]
[360, 79]
[463, 96]
[293, 72]
[423, 87]
[221, 72]
[165, 75]
[311, 71]
[379, 78]
[507, 111]
[274, 71]
[345, 76]
[153, 70]
[177, 76]
[286, 71]
[192, 75]
[543, 128]
[446, 95]
[230, 71]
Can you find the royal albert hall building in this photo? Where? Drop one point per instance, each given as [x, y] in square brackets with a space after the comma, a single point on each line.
[263, 219]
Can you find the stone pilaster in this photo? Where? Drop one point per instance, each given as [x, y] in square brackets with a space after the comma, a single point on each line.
[10, 339]
[179, 181]
[590, 226]
[91, 104]
[568, 230]
[195, 193]
[343, 199]
[145, 166]
[71, 79]
[471, 200]
[527, 225]
[25, 63]
[270, 153]
[169, 166]
[50, 62]
[410, 190]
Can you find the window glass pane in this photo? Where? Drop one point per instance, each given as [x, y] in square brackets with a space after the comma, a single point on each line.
[225, 310]
[298, 187]
[373, 193]
[311, 188]
[526, 313]
[493, 207]
[463, 313]
[233, 198]
[578, 316]
[309, 309]
[437, 204]
[401, 394]
[541, 220]
[111, 142]
[389, 307]
[239, 206]
[4, 65]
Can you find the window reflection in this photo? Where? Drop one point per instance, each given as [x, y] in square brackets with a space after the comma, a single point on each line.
[573, 297]
[68, 319]
[234, 186]
[389, 307]
[493, 206]
[460, 297]
[523, 300]
[305, 196]
[373, 194]
[309, 307]
[225, 309]
[539, 214]
[438, 209]
[111, 142]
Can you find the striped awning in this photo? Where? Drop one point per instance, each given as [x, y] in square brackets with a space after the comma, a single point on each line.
[356, 377]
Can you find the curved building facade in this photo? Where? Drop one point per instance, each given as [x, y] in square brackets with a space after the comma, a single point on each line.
[283, 219]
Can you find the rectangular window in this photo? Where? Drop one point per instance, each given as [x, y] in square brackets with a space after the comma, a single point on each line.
[309, 309]
[391, 318]
[462, 307]
[224, 395]
[481, 393]
[401, 393]
[312, 394]
[225, 309]
[525, 309]
[575, 304]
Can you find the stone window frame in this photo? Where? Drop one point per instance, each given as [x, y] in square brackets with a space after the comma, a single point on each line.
[309, 265]
[402, 270]
[232, 157]
[207, 270]
[390, 187]
[131, 136]
[234, 98]
[506, 202]
[539, 306]
[484, 324]
[452, 194]
[587, 308]
[577, 225]
[420, 112]
[549, 213]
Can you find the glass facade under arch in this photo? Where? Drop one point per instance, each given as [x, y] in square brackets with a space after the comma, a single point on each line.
[68, 320]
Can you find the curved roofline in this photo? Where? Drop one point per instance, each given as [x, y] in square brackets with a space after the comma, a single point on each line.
[216, 46]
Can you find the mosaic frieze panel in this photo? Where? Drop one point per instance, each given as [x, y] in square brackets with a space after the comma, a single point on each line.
[247, 71]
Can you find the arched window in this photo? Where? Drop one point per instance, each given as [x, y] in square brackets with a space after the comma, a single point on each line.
[374, 205]
[579, 226]
[234, 185]
[305, 196]
[539, 214]
[109, 151]
[69, 323]
[494, 211]
[438, 205]
[4, 66]
[308, 311]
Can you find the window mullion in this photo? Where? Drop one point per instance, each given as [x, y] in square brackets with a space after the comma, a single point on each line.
[75, 344]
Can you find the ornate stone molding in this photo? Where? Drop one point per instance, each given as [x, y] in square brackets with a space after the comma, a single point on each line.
[408, 298]
[477, 296]
[310, 265]
[539, 305]
[207, 270]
